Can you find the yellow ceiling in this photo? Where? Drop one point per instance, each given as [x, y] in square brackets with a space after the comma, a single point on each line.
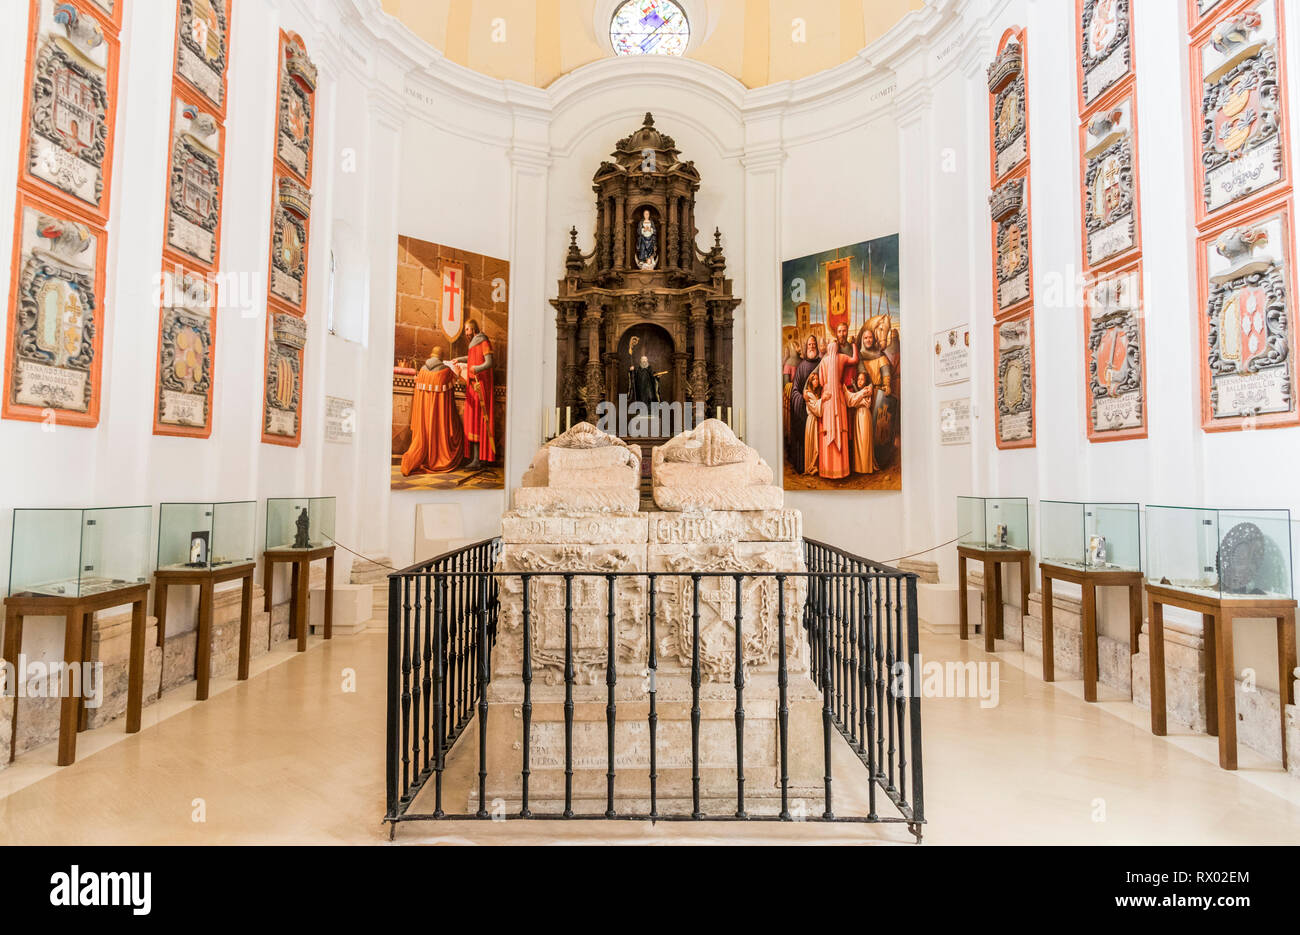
[756, 41]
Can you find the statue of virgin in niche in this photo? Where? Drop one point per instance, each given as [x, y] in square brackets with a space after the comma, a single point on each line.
[647, 247]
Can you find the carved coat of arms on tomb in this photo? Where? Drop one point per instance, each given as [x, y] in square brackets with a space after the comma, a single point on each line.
[1109, 184]
[1010, 109]
[1105, 46]
[1015, 382]
[289, 240]
[185, 351]
[287, 337]
[1116, 396]
[1240, 142]
[194, 188]
[294, 123]
[201, 47]
[1010, 212]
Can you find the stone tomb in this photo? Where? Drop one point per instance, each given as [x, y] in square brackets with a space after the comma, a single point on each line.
[672, 545]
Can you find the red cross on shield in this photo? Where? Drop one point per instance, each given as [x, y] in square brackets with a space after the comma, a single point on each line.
[452, 316]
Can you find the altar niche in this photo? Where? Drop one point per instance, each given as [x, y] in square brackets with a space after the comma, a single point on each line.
[646, 278]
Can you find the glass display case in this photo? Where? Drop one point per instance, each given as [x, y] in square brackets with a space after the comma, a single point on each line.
[1090, 536]
[299, 522]
[1220, 553]
[79, 552]
[206, 535]
[993, 522]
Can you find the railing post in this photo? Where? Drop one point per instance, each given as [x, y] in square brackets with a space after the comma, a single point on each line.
[914, 713]
[394, 675]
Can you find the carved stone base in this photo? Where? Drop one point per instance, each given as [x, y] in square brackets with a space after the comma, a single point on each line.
[1113, 662]
[1184, 674]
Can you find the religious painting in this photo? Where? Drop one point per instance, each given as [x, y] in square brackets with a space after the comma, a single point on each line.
[287, 279]
[194, 183]
[449, 369]
[294, 113]
[69, 108]
[840, 374]
[56, 315]
[202, 37]
[1115, 357]
[1106, 47]
[1247, 331]
[1240, 144]
[1009, 108]
[1009, 209]
[183, 397]
[1110, 203]
[1013, 373]
[282, 394]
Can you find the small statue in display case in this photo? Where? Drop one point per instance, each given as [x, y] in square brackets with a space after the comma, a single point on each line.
[300, 539]
[198, 549]
[1000, 536]
[1096, 550]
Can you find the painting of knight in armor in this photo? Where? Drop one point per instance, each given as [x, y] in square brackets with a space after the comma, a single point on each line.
[840, 376]
[449, 369]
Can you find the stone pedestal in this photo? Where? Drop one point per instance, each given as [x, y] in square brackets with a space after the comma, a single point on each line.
[1184, 674]
[1114, 667]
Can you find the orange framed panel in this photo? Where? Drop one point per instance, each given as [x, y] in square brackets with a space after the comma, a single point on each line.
[186, 361]
[1114, 364]
[286, 336]
[1008, 107]
[57, 316]
[1012, 237]
[1202, 13]
[1239, 126]
[1014, 388]
[1246, 287]
[69, 108]
[1110, 219]
[203, 50]
[1105, 48]
[295, 103]
[195, 182]
[109, 12]
[290, 230]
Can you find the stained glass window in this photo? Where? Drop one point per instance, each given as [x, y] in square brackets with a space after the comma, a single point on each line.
[649, 27]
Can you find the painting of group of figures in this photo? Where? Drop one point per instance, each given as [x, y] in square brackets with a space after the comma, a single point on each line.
[841, 380]
[449, 371]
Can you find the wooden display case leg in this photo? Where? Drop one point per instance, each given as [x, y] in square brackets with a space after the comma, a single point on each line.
[300, 610]
[990, 606]
[999, 601]
[1156, 641]
[1227, 690]
[294, 574]
[1209, 627]
[329, 597]
[268, 578]
[12, 648]
[245, 624]
[203, 650]
[135, 672]
[160, 608]
[70, 704]
[1286, 663]
[963, 608]
[1024, 596]
[1134, 617]
[1049, 648]
[87, 637]
[1089, 642]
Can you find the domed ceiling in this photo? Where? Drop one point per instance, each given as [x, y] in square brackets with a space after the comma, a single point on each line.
[758, 42]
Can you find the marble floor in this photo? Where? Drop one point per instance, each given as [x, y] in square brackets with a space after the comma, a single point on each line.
[295, 755]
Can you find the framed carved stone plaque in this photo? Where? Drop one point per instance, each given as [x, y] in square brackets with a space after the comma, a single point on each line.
[282, 399]
[289, 218]
[1200, 12]
[69, 107]
[1114, 357]
[56, 318]
[1013, 377]
[1110, 187]
[293, 138]
[1239, 112]
[193, 225]
[203, 48]
[110, 11]
[183, 396]
[1105, 47]
[1247, 324]
[1008, 117]
[1012, 275]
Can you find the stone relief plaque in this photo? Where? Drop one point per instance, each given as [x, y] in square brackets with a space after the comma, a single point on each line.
[1114, 364]
[1009, 109]
[70, 105]
[1199, 11]
[1247, 324]
[55, 325]
[203, 32]
[184, 393]
[1106, 55]
[1015, 383]
[286, 338]
[288, 274]
[1109, 184]
[294, 123]
[1240, 142]
[1010, 212]
[194, 183]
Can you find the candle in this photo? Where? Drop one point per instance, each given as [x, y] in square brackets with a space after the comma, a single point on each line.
[546, 423]
[740, 423]
[731, 425]
[568, 418]
[719, 415]
[557, 420]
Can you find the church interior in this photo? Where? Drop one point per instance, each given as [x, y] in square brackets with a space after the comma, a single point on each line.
[667, 546]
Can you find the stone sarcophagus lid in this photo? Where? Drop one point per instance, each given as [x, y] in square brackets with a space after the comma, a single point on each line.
[708, 468]
[583, 470]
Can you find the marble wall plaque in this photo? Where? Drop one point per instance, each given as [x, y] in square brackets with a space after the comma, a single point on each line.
[185, 353]
[1114, 363]
[1110, 184]
[1106, 48]
[1014, 388]
[194, 183]
[202, 38]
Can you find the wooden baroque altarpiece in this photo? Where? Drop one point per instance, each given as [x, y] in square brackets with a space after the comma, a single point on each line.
[646, 289]
[1244, 216]
[1013, 276]
[286, 326]
[191, 253]
[55, 327]
[1114, 346]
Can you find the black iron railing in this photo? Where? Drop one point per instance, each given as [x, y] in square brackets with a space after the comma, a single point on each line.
[861, 625]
